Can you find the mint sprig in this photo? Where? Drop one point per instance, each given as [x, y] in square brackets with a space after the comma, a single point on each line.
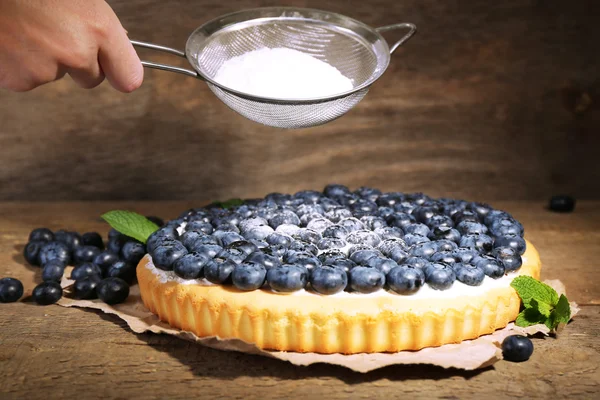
[131, 224]
[541, 304]
[228, 203]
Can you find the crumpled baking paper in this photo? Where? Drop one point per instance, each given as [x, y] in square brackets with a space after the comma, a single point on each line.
[468, 355]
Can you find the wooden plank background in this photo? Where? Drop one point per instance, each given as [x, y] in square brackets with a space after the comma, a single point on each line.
[491, 100]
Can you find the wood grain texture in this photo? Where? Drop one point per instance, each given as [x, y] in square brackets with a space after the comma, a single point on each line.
[54, 352]
[489, 100]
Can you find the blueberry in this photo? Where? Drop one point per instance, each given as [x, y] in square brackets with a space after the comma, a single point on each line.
[83, 254]
[92, 239]
[343, 264]
[506, 226]
[444, 244]
[122, 269]
[319, 224]
[159, 236]
[219, 270]
[385, 212]
[199, 226]
[54, 251]
[243, 245]
[368, 193]
[373, 222]
[418, 198]
[363, 207]
[85, 288]
[190, 266]
[481, 209]
[467, 227]
[165, 255]
[32, 250]
[85, 269]
[389, 199]
[307, 218]
[423, 214]
[464, 255]
[308, 197]
[387, 246]
[304, 260]
[389, 232]
[465, 215]
[234, 254]
[439, 276]
[266, 260]
[305, 209]
[514, 241]
[304, 247]
[276, 251]
[405, 279]
[255, 228]
[112, 290]
[115, 244]
[53, 271]
[509, 258]
[335, 232]
[189, 238]
[351, 224]
[335, 190]
[157, 220]
[383, 264]
[444, 232]
[411, 239]
[11, 290]
[331, 243]
[444, 256]
[41, 234]
[490, 266]
[425, 249]
[209, 250]
[404, 207]
[329, 256]
[362, 256]
[400, 220]
[517, 348]
[47, 293]
[287, 229]
[279, 198]
[260, 244]
[248, 276]
[417, 229]
[226, 238]
[284, 217]
[105, 259]
[364, 237]
[562, 203]
[279, 239]
[287, 278]
[398, 255]
[71, 239]
[308, 235]
[494, 215]
[366, 279]
[468, 274]
[416, 262]
[480, 242]
[328, 280]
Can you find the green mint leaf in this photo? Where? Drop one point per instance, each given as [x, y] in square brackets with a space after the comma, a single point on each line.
[562, 310]
[530, 316]
[529, 288]
[227, 204]
[541, 307]
[131, 224]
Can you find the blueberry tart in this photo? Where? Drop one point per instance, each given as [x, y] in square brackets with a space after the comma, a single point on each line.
[338, 271]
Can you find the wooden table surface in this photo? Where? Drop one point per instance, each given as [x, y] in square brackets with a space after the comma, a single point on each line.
[55, 352]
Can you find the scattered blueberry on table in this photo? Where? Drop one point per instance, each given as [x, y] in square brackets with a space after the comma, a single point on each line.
[517, 348]
[11, 290]
[562, 203]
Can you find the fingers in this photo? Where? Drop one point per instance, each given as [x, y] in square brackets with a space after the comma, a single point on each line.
[88, 78]
[120, 62]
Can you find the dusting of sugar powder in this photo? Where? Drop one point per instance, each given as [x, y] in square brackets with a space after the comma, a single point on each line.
[282, 74]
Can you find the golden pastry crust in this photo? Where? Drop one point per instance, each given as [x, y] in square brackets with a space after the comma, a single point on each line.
[330, 324]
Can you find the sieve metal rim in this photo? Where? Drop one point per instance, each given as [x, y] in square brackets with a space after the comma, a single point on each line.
[254, 16]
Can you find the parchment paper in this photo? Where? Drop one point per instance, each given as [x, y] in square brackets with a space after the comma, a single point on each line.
[468, 355]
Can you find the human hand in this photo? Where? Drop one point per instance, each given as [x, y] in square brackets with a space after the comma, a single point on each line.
[42, 40]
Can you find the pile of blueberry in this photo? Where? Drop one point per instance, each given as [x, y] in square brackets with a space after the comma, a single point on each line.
[99, 272]
[338, 239]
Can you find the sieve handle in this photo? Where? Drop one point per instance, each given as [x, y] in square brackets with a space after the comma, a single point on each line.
[165, 67]
[412, 28]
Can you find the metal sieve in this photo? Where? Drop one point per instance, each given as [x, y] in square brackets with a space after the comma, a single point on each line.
[358, 51]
